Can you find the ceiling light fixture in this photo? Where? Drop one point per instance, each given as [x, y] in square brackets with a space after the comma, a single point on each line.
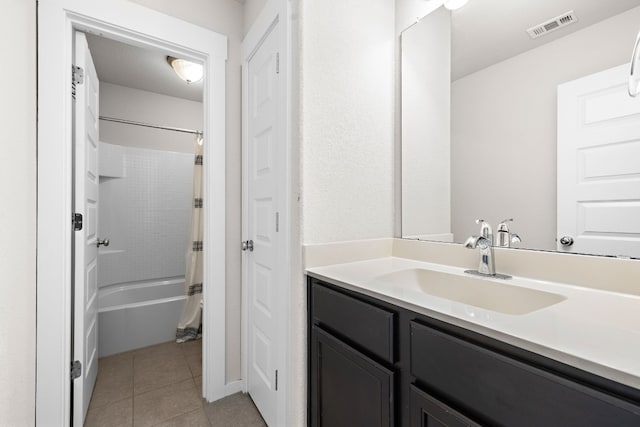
[188, 71]
[454, 4]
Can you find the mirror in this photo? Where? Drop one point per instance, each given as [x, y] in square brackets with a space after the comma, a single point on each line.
[500, 124]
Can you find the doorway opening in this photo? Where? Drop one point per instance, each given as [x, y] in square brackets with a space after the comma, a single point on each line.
[137, 26]
[138, 258]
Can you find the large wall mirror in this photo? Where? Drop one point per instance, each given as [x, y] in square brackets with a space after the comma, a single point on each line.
[499, 122]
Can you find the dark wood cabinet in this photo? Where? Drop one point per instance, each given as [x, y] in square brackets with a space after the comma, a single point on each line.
[427, 411]
[376, 364]
[503, 391]
[350, 389]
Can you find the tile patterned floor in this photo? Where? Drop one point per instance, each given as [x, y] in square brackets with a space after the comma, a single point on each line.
[161, 386]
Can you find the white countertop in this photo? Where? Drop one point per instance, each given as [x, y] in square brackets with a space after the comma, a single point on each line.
[594, 330]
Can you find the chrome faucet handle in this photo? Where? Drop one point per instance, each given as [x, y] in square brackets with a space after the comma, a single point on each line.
[504, 239]
[504, 223]
[482, 222]
[477, 242]
[471, 242]
[515, 238]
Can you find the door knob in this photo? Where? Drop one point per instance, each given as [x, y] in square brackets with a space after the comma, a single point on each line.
[566, 240]
[247, 245]
[103, 242]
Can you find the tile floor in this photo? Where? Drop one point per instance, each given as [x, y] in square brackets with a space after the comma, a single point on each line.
[161, 386]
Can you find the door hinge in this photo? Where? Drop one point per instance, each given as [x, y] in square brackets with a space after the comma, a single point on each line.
[76, 369]
[276, 380]
[77, 74]
[277, 222]
[76, 220]
[277, 62]
[247, 245]
[77, 78]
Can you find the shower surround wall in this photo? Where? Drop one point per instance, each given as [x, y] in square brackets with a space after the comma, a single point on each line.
[145, 202]
[145, 185]
[145, 209]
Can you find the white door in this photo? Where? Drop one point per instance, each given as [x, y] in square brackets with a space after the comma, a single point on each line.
[264, 273]
[599, 165]
[85, 325]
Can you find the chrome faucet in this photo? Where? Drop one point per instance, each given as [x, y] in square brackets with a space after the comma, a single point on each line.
[485, 230]
[484, 243]
[505, 237]
[487, 266]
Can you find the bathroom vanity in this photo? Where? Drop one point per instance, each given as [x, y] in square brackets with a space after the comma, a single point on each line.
[384, 352]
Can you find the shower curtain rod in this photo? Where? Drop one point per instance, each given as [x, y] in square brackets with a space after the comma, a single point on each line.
[149, 125]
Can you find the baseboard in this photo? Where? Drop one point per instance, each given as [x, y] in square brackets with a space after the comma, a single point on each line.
[234, 387]
[226, 390]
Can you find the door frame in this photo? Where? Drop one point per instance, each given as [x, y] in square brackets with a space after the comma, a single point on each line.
[133, 24]
[279, 13]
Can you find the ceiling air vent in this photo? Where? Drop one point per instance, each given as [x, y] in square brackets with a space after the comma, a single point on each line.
[552, 24]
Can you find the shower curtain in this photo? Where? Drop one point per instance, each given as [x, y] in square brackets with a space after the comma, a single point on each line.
[190, 325]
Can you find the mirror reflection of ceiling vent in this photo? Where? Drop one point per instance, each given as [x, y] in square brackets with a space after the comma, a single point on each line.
[553, 24]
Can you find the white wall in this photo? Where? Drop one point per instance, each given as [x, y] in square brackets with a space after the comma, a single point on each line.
[18, 214]
[346, 119]
[343, 63]
[410, 11]
[17, 186]
[138, 105]
[504, 129]
[145, 210]
[426, 126]
[252, 9]
[225, 17]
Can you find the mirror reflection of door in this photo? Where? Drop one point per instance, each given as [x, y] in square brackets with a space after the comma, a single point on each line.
[503, 109]
[598, 166]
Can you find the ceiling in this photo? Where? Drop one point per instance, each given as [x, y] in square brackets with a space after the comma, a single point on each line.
[145, 69]
[485, 32]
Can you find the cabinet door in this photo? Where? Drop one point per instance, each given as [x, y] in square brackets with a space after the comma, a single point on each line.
[347, 388]
[426, 411]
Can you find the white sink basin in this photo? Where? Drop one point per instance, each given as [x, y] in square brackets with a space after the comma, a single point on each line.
[478, 292]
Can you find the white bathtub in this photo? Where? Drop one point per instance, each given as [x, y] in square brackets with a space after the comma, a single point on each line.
[138, 314]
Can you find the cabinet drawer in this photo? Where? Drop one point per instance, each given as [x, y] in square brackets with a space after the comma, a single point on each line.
[366, 326]
[498, 390]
